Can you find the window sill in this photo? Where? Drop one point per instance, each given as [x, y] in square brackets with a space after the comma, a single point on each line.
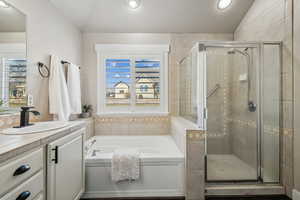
[131, 114]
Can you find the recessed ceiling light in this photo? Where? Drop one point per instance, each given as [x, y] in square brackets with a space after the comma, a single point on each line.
[134, 4]
[223, 4]
[3, 4]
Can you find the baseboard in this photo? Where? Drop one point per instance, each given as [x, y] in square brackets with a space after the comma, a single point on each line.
[133, 194]
[296, 195]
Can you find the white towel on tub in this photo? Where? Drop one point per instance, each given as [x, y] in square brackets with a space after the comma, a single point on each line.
[125, 165]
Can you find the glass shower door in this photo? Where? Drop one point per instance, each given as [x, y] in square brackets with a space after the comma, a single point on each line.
[232, 99]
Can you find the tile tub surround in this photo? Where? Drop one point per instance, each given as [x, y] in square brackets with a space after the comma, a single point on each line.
[129, 125]
[195, 165]
[276, 15]
[13, 145]
[90, 126]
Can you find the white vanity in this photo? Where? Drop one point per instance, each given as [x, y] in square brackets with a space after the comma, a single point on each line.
[65, 167]
[22, 177]
[43, 165]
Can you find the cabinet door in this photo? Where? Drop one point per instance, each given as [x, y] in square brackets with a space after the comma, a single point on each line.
[66, 167]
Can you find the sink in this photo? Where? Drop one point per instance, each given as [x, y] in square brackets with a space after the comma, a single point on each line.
[38, 127]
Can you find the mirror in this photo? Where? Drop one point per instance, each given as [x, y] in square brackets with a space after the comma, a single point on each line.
[12, 59]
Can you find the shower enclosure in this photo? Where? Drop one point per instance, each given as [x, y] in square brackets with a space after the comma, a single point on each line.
[233, 90]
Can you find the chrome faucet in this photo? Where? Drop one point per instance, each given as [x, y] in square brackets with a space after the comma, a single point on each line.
[24, 116]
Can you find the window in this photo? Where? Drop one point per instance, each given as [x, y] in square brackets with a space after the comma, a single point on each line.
[132, 78]
[118, 81]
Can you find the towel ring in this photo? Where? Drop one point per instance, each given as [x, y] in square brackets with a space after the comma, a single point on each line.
[43, 70]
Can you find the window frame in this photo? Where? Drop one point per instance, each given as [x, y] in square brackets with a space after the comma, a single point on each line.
[132, 52]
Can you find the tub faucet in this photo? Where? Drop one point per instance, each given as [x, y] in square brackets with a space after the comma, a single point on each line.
[24, 116]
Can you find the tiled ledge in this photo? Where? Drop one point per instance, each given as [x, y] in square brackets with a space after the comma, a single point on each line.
[195, 164]
[195, 135]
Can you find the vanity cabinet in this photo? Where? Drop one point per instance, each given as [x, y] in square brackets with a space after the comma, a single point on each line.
[65, 167]
[22, 178]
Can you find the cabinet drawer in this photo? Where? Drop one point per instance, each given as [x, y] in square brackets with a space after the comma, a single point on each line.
[14, 172]
[30, 188]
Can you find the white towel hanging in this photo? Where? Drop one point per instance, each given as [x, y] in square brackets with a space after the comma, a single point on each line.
[74, 88]
[59, 101]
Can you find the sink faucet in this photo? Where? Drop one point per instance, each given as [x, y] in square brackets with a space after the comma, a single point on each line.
[24, 116]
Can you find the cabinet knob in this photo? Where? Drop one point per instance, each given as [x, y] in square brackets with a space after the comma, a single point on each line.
[23, 195]
[21, 170]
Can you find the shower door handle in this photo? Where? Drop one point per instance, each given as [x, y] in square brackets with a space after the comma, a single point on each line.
[205, 113]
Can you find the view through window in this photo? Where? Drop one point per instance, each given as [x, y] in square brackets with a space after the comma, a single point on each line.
[122, 73]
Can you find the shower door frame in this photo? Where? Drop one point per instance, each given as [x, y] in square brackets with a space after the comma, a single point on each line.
[203, 45]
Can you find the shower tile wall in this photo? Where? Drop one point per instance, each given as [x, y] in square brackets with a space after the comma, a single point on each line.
[181, 44]
[276, 25]
[241, 122]
[218, 103]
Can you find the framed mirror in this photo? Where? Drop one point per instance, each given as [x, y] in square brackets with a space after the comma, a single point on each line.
[13, 61]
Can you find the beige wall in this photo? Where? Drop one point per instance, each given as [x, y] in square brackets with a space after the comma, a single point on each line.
[297, 94]
[271, 20]
[48, 32]
[180, 44]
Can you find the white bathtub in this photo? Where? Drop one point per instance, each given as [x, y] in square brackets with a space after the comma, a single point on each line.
[162, 167]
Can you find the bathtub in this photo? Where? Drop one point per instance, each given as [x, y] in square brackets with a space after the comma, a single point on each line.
[162, 167]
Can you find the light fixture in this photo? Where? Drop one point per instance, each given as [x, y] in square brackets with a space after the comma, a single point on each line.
[134, 4]
[3, 4]
[223, 4]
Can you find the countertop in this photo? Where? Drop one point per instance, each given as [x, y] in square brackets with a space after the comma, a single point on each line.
[14, 145]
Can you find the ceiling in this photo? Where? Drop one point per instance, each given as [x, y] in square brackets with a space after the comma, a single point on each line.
[12, 20]
[154, 16]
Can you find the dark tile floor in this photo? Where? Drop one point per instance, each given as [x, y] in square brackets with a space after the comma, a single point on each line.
[250, 198]
[210, 198]
[147, 198]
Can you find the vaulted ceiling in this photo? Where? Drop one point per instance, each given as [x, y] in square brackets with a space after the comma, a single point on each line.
[154, 16]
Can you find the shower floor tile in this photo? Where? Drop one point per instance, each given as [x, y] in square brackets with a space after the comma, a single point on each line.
[228, 167]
